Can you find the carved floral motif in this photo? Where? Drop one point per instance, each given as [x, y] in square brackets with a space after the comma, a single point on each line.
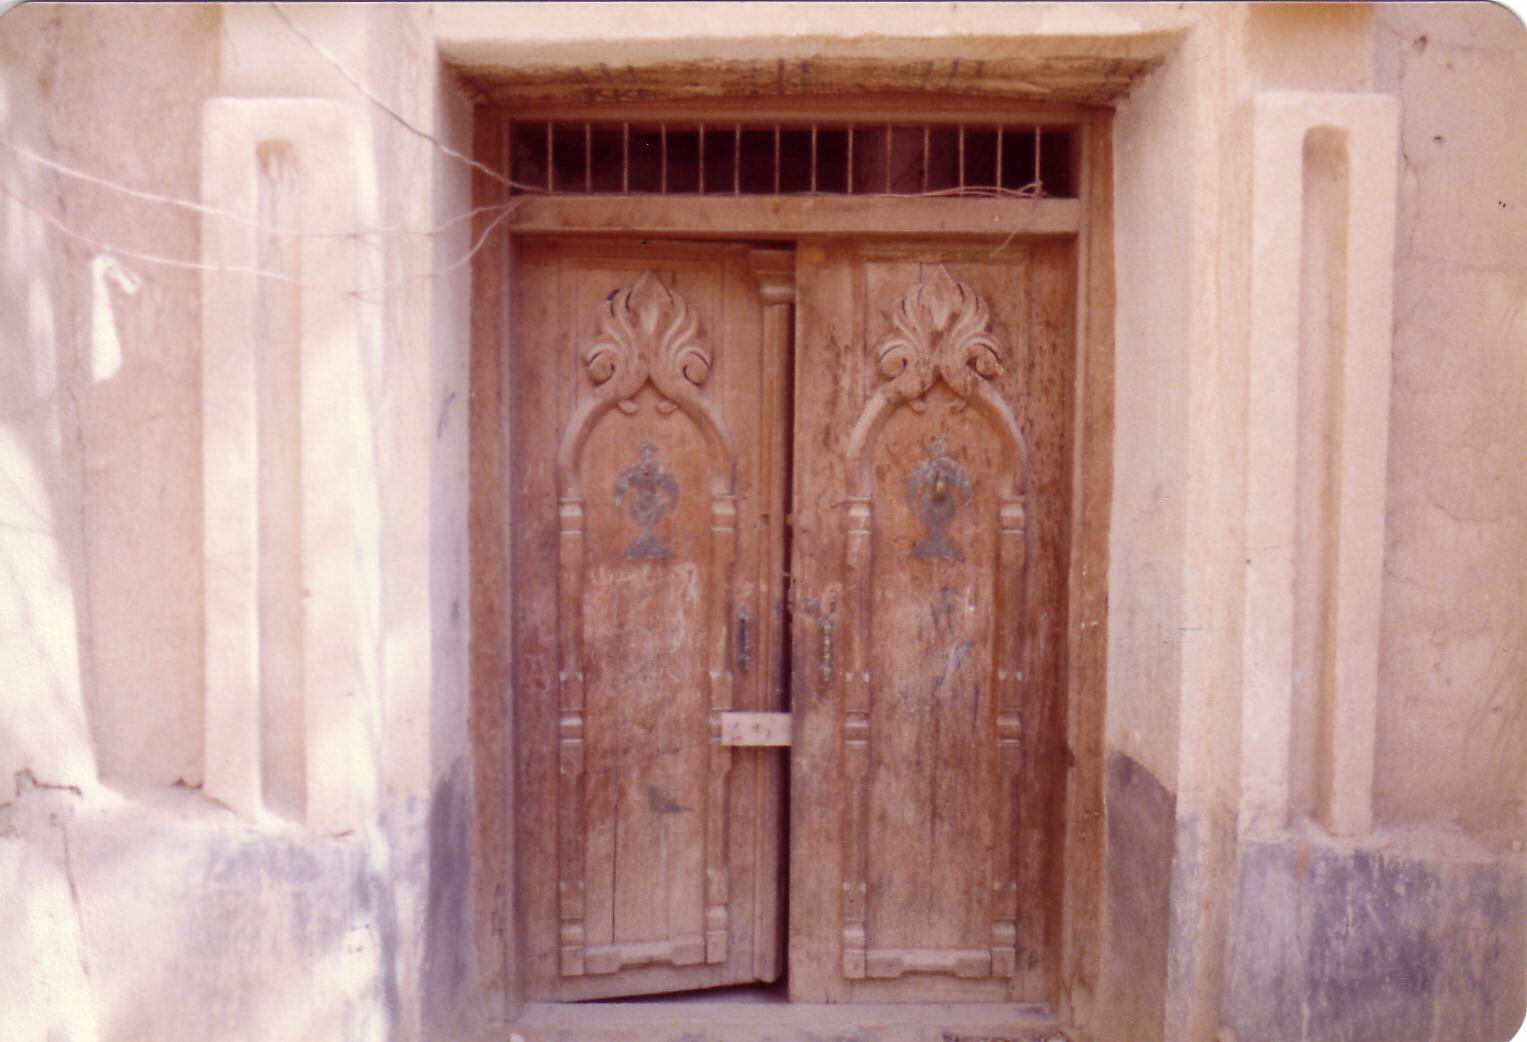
[647, 331]
[941, 328]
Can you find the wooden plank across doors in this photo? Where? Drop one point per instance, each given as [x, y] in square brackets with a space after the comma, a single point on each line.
[650, 534]
[931, 496]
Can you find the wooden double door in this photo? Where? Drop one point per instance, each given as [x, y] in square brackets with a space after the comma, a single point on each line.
[789, 554]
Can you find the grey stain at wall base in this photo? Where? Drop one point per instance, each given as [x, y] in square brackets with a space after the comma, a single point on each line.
[1353, 943]
[446, 961]
[1141, 830]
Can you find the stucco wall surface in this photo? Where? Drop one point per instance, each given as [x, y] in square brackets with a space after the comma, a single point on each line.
[1452, 724]
[1153, 157]
[117, 338]
[135, 907]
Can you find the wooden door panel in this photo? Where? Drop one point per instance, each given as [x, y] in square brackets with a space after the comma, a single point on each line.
[930, 784]
[645, 526]
[928, 619]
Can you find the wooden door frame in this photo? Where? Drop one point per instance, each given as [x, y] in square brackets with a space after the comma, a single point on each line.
[1076, 951]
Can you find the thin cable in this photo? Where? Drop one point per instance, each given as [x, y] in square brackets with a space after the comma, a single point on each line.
[233, 215]
[482, 240]
[402, 120]
[1028, 191]
[241, 269]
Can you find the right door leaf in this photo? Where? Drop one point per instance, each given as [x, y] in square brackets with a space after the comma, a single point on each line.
[923, 521]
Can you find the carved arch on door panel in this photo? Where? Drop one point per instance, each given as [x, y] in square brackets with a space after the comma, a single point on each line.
[647, 333]
[940, 333]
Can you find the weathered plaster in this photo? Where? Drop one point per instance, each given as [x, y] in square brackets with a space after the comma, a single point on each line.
[122, 365]
[1452, 722]
[541, 52]
[94, 472]
[1402, 936]
[1153, 247]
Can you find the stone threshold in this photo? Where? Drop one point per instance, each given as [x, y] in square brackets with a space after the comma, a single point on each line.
[764, 1015]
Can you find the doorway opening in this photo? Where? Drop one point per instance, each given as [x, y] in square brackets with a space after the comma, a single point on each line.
[794, 498]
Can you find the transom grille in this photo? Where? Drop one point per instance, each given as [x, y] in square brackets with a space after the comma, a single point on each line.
[778, 158]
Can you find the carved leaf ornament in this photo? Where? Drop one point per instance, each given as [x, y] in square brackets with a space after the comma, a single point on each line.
[941, 328]
[647, 332]
[647, 313]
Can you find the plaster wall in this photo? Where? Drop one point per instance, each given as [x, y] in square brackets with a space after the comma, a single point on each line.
[1176, 534]
[139, 907]
[44, 724]
[1412, 930]
[1452, 717]
[1156, 210]
[1153, 159]
[124, 362]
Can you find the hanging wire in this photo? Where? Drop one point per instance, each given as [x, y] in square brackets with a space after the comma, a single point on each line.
[402, 120]
[500, 212]
[162, 260]
[233, 215]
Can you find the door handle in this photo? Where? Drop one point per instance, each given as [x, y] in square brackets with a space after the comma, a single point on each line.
[824, 650]
[743, 639]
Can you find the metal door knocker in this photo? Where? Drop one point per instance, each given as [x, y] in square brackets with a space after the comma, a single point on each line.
[654, 492]
[935, 489]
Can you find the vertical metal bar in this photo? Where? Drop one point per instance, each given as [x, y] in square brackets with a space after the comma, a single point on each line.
[927, 133]
[625, 158]
[700, 158]
[961, 150]
[509, 154]
[776, 159]
[848, 184]
[1038, 184]
[588, 157]
[551, 163]
[662, 133]
[737, 159]
[999, 156]
[813, 159]
[887, 159]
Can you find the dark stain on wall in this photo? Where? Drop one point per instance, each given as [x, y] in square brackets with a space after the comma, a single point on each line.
[1140, 835]
[1339, 942]
[448, 933]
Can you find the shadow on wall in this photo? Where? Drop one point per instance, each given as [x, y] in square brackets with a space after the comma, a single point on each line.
[43, 718]
[158, 916]
[100, 493]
